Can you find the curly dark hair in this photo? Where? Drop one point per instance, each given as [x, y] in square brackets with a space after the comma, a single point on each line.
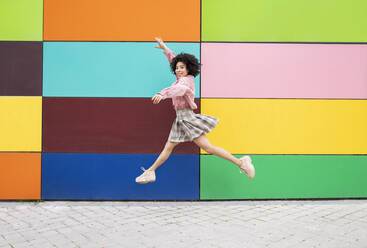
[191, 62]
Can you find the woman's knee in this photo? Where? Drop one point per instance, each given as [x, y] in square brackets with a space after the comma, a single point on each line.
[204, 144]
[208, 148]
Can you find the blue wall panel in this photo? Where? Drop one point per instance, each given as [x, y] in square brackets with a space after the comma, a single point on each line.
[72, 176]
[109, 69]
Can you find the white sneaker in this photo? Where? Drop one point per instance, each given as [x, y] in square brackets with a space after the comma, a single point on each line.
[147, 177]
[247, 166]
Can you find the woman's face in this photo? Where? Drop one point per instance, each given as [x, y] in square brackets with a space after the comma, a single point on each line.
[181, 70]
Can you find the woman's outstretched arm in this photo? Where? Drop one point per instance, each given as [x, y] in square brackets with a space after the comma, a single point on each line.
[170, 55]
[184, 87]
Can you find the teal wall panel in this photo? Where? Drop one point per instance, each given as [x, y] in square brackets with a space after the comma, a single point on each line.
[109, 69]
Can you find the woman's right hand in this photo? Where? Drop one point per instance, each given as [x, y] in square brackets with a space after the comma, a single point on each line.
[161, 43]
[157, 98]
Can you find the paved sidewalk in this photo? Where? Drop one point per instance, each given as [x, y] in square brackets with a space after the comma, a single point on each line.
[329, 224]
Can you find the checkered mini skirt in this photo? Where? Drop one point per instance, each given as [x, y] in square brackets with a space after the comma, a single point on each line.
[188, 125]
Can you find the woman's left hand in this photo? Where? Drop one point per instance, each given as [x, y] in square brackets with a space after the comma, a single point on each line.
[157, 98]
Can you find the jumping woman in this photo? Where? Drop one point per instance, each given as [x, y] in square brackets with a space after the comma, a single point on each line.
[188, 126]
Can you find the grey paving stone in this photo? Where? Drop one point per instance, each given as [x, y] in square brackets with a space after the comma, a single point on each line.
[336, 223]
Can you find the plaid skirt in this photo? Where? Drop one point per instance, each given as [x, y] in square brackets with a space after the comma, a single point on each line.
[188, 125]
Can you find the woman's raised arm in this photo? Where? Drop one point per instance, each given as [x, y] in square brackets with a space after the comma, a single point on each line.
[170, 55]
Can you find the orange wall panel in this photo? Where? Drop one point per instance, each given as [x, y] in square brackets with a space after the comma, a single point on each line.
[20, 176]
[116, 20]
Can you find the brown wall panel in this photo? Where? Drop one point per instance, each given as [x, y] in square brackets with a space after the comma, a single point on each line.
[109, 125]
[20, 68]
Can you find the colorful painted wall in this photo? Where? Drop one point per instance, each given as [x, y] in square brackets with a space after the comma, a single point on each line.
[287, 79]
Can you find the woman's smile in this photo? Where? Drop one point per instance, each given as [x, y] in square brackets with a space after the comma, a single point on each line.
[181, 70]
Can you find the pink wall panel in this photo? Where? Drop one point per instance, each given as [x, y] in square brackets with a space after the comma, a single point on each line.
[242, 70]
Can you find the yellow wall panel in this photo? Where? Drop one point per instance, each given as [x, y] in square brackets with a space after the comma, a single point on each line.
[288, 126]
[20, 123]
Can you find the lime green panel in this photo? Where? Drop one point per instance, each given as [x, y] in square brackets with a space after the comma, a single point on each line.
[284, 20]
[21, 20]
[285, 176]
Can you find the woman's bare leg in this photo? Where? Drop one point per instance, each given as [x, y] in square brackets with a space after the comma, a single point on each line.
[168, 148]
[203, 142]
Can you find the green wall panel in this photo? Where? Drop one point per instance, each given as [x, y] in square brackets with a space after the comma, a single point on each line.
[285, 176]
[284, 20]
[21, 20]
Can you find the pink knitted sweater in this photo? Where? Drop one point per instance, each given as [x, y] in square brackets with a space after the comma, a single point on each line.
[182, 91]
